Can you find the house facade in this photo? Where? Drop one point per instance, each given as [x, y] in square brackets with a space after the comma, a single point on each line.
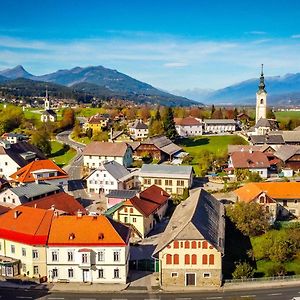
[88, 249]
[138, 130]
[219, 125]
[97, 123]
[191, 248]
[189, 126]
[96, 153]
[172, 179]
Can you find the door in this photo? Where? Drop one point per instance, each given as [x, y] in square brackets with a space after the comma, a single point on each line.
[190, 279]
[86, 275]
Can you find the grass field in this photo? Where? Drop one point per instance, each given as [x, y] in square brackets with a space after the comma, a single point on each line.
[286, 115]
[215, 144]
[60, 155]
[90, 111]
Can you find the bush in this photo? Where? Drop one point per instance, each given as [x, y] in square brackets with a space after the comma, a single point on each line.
[277, 269]
[242, 270]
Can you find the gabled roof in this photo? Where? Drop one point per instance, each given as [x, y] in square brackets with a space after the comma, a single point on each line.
[200, 217]
[249, 160]
[242, 148]
[106, 149]
[95, 119]
[139, 124]
[188, 121]
[219, 121]
[26, 225]
[121, 194]
[50, 112]
[268, 123]
[87, 231]
[166, 170]
[287, 151]
[275, 190]
[266, 139]
[25, 174]
[60, 201]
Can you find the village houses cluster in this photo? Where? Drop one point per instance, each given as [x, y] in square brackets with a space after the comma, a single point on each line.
[47, 234]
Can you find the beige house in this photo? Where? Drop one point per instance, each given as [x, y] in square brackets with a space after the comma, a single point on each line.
[142, 211]
[173, 179]
[191, 248]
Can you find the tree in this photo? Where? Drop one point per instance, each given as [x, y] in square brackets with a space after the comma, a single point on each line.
[89, 133]
[156, 127]
[11, 118]
[101, 136]
[242, 270]
[212, 110]
[250, 218]
[68, 119]
[41, 139]
[169, 125]
[157, 116]
[218, 114]
[276, 269]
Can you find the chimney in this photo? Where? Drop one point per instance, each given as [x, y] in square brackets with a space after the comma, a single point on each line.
[35, 205]
[16, 214]
[162, 192]
[79, 213]
[53, 207]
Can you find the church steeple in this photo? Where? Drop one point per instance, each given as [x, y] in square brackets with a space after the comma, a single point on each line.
[47, 100]
[261, 86]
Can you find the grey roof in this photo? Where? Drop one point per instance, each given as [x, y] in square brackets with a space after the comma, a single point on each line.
[34, 190]
[166, 170]
[220, 121]
[266, 139]
[171, 149]
[287, 151]
[263, 122]
[115, 169]
[138, 124]
[200, 217]
[49, 112]
[121, 194]
[291, 136]
[240, 148]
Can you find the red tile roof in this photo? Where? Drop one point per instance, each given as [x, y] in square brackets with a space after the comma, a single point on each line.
[249, 160]
[188, 121]
[25, 175]
[26, 225]
[87, 231]
[149, 200]
[4, 209]
[106, 149]
[60, 201]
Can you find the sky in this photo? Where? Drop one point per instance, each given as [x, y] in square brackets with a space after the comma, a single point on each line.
[171, 44]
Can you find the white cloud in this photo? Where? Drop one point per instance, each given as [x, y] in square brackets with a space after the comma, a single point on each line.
[175, 65]
[295, 36]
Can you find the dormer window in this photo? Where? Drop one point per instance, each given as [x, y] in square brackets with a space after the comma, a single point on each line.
[100, 236]
[71, 236]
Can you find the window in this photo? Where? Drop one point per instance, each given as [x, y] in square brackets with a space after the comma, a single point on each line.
[204, 259]
[70, 273]
[24, 268]
[157, 181]
[168, 182]
[23, 252]
[176, 259]
[147, 181]
[35, 254]
[125, 220]
[100, 273]
[211, 259]
[54, 256]
[134, 220]
[187, 245]
[131, 210]
[70, 256]
[169, 259]
[84, 258]
[54, 273]
[116, 273]
[194, 245]
[116, 255]
[176, 244]
[261, 199]
[284, 202]
[101, 256]
[35, 270]
[194, 259]
[174, 274]
[180, 182]
[261, 101]
[206, 275]
[125, 209]
[12, 249]
[187, 259]
[204, 244]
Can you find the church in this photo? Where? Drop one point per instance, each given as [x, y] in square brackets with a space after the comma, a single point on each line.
[262, 124]
[48, 115]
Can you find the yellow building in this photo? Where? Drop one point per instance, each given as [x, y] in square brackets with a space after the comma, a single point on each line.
[191, 248]
[23, 236]
[97, 123]
[142, 211]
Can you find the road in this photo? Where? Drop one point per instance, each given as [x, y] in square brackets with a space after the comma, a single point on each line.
[259, 294]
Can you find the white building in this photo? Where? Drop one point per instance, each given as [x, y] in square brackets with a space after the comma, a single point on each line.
[261, 99]
[110, 176]
[138, 130]
[219, 125]
[88, 249]
[96, 153]
[189, 126]
[48, 115]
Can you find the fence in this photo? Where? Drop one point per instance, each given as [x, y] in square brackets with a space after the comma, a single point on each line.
[263, 279]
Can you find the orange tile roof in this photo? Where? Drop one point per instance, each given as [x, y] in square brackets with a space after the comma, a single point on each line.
[24, 175]
[275, 190]
[87, 230]
[26, 225]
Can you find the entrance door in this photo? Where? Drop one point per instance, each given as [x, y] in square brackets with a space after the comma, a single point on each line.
[190, 279]
[86, 275]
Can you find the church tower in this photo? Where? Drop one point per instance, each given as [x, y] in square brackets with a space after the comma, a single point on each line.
[47, 101]
[261, 98]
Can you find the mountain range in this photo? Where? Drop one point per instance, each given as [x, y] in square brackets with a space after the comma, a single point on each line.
[101, 82]
[282, 90]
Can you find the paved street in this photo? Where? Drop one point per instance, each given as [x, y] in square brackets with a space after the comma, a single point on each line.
[261, 294]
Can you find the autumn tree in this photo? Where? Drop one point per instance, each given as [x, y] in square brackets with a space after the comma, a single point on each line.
[144, 113]
[218, 114]
[68, 119]
[11, 118]
[41, 139]
[242, 270]
[250, 218]
[213, 109]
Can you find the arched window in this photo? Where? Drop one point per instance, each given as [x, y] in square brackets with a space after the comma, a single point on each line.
[194, 245]
[186, 244]
[131, 210]
[204, 244]
[169, 259]
[211, 259]
[125, 209]
[261, 101]
[176, 259]
[176, 244]
[204, 259]
[194, 259]
[187, 259]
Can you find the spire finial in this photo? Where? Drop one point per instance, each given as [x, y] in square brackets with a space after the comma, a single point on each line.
[262, 69]
[46, 91]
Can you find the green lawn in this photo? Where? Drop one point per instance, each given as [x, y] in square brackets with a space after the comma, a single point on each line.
[85, 140]
[282, 116]
[90, 111]
[215, 144]
[60, 155]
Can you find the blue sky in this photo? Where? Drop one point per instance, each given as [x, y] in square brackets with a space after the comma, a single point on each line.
[173, 45]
